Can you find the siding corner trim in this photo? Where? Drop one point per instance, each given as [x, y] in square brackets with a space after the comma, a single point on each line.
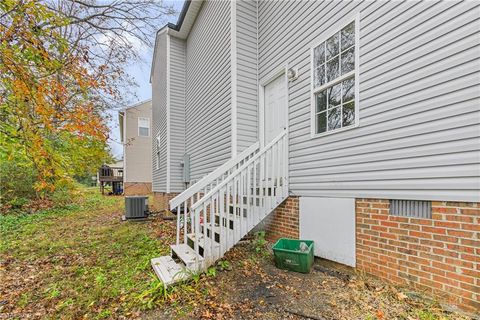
[168, 113]
[233, 72]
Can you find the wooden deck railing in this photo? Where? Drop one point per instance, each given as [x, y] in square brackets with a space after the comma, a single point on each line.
[110, 174]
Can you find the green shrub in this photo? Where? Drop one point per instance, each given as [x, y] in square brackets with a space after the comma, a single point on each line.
[16, 183]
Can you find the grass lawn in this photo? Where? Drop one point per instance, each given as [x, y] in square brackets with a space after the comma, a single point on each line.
[79, 261]
[82, 262]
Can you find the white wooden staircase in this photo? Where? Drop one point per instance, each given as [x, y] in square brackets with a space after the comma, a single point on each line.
[220, 209]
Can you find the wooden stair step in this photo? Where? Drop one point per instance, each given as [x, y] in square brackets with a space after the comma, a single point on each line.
[187, 255]
[202, 241]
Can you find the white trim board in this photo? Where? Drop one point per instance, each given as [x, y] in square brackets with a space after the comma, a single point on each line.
[168, 114]
[233, 75]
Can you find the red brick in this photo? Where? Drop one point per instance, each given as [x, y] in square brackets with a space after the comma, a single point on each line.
[460, 234]
[380, 205]
[470, 257]
[398, 231]
[399, 219]
[446, 224]
[460, 263]
[443, 266]
[379, 216]
[438, 244]
[445, 210]
[439, 216]
[440, 256]
[424, 222]
[418, 260]
[470, 287]
[432, 257]
[470, 272]
[380, 228]
[468, 211]
[430, 283]
[472, 305]
[436, 230]
[473, 227]
[460, 218]
[444, 280]
[445, 238]
[458, 248]
[420, 234]
[389, 224]
[445, 253]
[461, 277]
[423, 274]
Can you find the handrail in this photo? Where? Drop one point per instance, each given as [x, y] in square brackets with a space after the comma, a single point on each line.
[212, 176]
[238, 171]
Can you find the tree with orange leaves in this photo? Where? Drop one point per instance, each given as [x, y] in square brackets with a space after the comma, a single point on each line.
[48, 119]
[61, 67]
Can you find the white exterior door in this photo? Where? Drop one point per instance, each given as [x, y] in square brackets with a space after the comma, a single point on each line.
[275, 105]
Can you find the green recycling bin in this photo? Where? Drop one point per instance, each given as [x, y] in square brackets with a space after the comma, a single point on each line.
[289, 255]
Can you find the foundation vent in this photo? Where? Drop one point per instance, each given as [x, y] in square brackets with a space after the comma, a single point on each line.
[411, 208]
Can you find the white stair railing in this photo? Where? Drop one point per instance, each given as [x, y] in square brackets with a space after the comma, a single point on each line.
[185, 200]
[227, 212]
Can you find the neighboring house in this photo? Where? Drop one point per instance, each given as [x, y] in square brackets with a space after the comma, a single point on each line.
[373, 110]
[111, 175]
[136, 136]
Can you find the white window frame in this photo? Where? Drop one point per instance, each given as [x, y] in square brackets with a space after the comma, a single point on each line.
[354, 73]
[149, 126]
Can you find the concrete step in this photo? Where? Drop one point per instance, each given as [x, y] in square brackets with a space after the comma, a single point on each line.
[168, 271]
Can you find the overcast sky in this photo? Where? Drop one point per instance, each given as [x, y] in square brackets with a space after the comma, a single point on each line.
[141, 72]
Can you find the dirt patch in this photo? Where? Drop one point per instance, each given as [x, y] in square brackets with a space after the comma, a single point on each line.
[255, 289]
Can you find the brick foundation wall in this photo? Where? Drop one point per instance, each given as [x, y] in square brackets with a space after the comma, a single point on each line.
[161, 199]
[137, 188]
[283, 221]
[439, 256]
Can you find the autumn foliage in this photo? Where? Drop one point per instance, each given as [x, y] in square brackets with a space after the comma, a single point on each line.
[51, 122]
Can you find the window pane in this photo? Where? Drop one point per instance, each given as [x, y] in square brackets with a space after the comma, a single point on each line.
[334, 94]
[348, 60]
[144, 122]
[348, 89]
[319, 76]
[348, 36]
[321, 101]
[348, 116]
[332, 46]
[334, 119]
[319, 55]
[143, 131]
[321, 122]
[332, 69]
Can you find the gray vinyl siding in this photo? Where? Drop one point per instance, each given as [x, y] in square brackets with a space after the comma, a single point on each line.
[208, 98]
[177, 112]
[247, 103]
[419, 129]
[159, 115]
